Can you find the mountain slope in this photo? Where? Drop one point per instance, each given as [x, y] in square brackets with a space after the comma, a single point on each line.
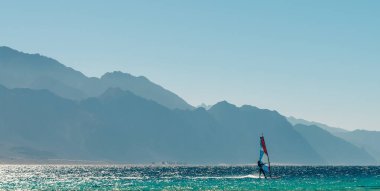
[133, 129]
[119, 126]
[333, 149]
[36, 124]
[247, 123]
[368, 140]
[143, 87]
[55, 112]
[295, 121]
[21, 70]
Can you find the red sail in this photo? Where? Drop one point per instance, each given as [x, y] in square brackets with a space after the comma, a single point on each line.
[263, 145]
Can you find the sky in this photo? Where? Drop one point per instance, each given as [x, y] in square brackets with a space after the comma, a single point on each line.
[316, 60]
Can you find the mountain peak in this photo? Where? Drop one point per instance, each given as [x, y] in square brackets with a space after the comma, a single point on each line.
[116, 74]
[35, 71]
[223, 105]
[141, 86]
[6, 49]
[122, 75]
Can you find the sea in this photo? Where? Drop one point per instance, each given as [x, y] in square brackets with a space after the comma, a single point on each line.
[134, 177]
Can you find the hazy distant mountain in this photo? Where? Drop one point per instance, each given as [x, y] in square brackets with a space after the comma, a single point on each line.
[132, 129]
[21, 70]
[368, 140]
[334, 149]
[118, 126]
[143, 87]
[295, 121]
[49, 111]
[36, 124]
[122, 127]
[246, 124]
[145, 131]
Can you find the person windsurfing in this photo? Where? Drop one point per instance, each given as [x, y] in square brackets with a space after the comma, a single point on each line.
[263, 163]
[261, 170]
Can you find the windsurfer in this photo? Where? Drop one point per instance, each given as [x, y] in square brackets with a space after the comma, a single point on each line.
[261, 170]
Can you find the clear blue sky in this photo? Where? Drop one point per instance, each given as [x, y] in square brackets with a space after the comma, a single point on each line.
[317, 60]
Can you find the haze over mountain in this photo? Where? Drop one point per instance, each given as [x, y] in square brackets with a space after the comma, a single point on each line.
[120, 126]
[295, 121]
[335, 149]
[246, 123]
[49, 111]
[21, 70]
[363, 139]
[368, 140]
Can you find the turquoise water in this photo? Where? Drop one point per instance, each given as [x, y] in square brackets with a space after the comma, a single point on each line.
[95, 177]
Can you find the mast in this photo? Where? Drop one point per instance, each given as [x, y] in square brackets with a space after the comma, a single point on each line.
[270, 171]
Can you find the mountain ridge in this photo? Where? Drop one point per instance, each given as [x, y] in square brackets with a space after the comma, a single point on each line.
[339, 151]
[122, 127]
[295, 121]
[23, 70]
[50, 111]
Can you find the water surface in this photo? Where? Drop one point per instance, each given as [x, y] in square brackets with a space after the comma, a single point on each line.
[97, 177]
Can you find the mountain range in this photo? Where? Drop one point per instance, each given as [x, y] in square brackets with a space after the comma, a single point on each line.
[51, 112]
[34, 71]
[363, 139]
[333, 130]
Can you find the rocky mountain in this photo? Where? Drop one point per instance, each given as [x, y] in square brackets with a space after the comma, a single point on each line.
[247, 123]
[368, 140]
[120, 126]
[51, 112]
[295, 121]
[335, 150]
[34, 71]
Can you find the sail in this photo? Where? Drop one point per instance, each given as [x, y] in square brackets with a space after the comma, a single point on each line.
[264, 157]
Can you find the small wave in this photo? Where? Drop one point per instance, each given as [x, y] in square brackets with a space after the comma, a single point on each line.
[227, 177]
[132, 177]
[375, 187]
